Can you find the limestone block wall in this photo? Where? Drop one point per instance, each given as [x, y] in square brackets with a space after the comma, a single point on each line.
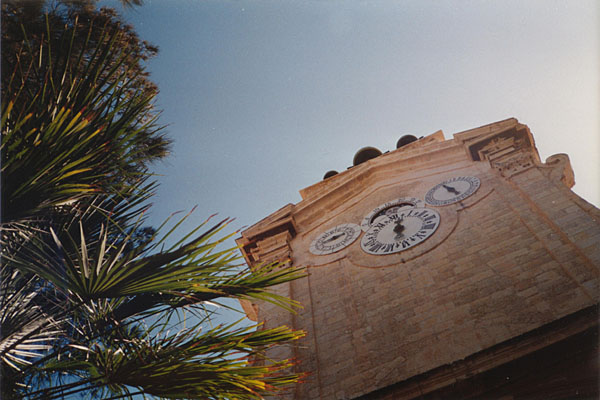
[517, 255]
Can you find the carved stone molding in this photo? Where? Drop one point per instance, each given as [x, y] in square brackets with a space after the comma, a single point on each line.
[275, 248]
[269, 240]
[508, 166]
[507, 146]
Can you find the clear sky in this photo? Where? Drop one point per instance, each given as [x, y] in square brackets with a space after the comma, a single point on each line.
[263, 97]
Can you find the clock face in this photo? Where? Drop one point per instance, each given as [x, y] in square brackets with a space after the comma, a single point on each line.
[400, 231]
[452, 191]
[389, 208]
[335, 239]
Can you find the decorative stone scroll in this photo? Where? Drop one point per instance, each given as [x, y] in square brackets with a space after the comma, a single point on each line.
[560, 169]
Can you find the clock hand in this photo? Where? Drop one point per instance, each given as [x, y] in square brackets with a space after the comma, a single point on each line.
[399, 228]
[339, 235]
[451, 189]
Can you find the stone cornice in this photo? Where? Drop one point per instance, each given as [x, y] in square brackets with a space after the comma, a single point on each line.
[268, 240]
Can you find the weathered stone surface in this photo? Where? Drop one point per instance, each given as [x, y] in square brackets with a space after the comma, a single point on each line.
[515, 257]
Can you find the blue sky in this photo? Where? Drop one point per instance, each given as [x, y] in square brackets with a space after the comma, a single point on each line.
[263, 97]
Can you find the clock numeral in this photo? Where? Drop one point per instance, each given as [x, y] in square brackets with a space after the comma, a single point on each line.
[335, 239]
[452, 190]
[400, 231]
[421, 234]
[375, 248]
[422, 213]
[429, 218]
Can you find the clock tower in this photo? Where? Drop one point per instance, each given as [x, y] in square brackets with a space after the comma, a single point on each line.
[460, 268]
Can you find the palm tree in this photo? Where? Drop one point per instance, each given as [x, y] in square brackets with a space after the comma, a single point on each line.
[91, 301]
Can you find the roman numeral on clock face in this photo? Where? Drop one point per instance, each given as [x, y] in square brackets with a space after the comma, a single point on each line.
[452, 190]
[400, 231]
[335, 239]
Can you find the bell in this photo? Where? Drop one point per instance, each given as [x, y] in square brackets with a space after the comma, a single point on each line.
[365, 154]
[329, 174]
[404, 140]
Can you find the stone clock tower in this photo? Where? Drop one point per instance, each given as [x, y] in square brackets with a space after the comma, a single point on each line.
[445, 269]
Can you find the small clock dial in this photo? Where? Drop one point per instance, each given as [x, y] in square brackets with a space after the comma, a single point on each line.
[400, 231]
[452, 191]
[335, 239]
[389, 208]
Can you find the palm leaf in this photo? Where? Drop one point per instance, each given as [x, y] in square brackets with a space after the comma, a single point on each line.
[192, 273]
[56, 139]
[192, 363]
[27, 330]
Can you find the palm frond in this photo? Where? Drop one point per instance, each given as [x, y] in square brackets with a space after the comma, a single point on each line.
[192, 363]
[27, 330]
[194, 272]
[72, 130]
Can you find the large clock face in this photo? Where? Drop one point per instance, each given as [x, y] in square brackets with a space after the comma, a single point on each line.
[335, 239]
[452, 191]
[400, 231]
[389, 208]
